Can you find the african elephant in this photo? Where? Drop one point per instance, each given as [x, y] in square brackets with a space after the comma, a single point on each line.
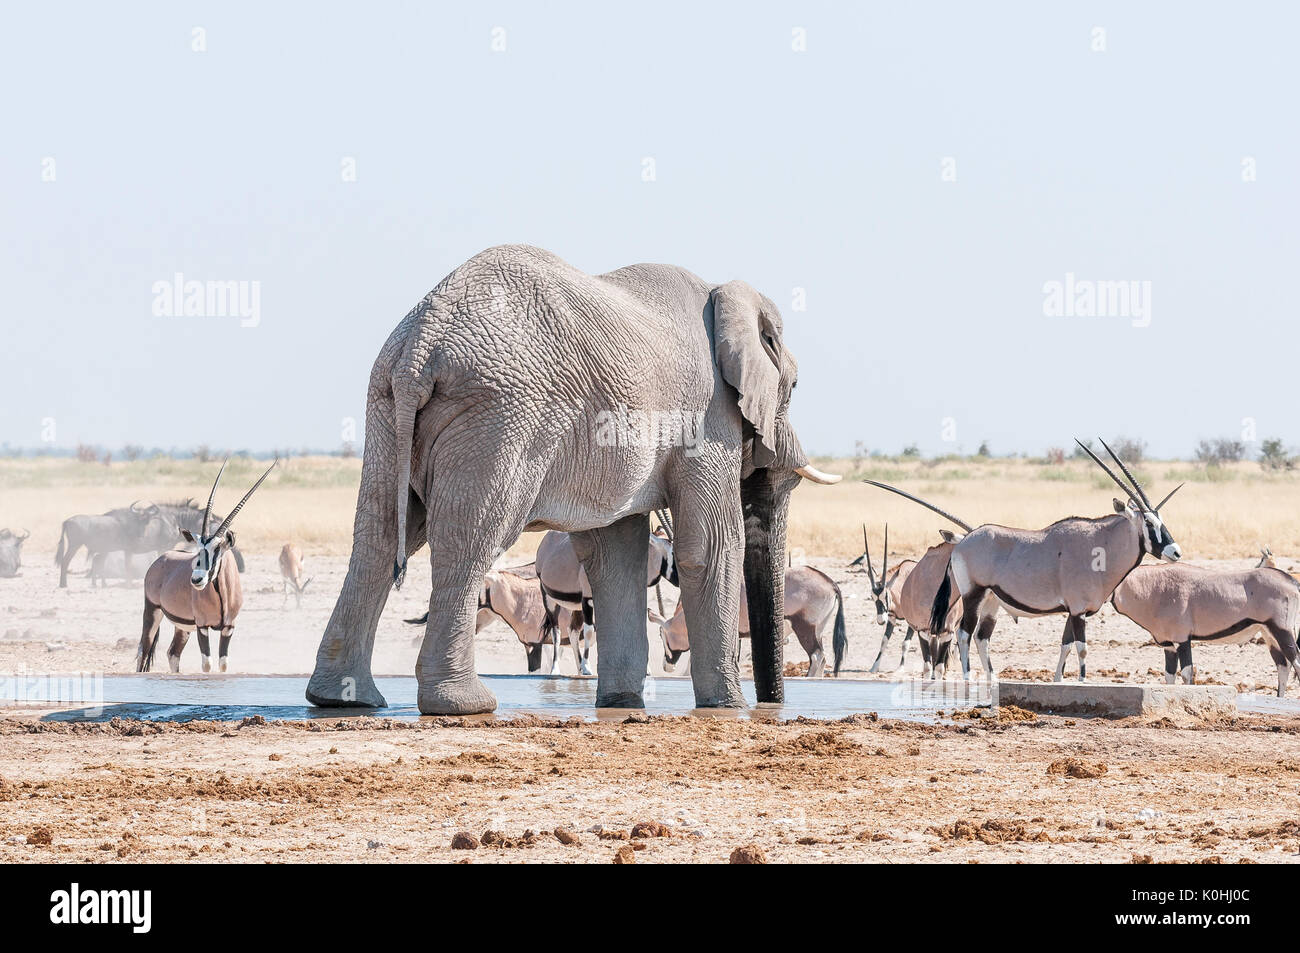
[522, 394]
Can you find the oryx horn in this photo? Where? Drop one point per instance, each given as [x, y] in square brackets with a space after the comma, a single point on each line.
[1171, 493]
[666, 521]
[1109, 472]
[1136, 485]
[207, 510]
[916, 499]
[866, 551]
[225, 524]
[884, 560]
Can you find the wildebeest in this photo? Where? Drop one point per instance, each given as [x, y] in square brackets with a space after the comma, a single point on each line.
[120, 565]
[196, 591]
[813, 605]
[1183, 604]
[139, 528]
[11, 546]
[291, 560]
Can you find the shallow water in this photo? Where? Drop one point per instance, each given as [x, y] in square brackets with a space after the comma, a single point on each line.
[158, 697]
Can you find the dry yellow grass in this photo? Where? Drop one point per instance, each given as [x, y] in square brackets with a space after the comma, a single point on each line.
[1226, 513]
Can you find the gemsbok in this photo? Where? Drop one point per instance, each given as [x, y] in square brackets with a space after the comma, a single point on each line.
[814, 605]
[512, 596]
[291, 561]
[885, 590]
[1179, 605]
[1072, 566]
[915, 599]
[195, 591]
[564, 583]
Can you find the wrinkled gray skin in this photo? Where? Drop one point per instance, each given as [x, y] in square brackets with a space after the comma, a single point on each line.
[11, 552]
[481, 422]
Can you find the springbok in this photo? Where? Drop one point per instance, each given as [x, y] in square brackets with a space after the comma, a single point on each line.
[196, 591]
[1182, 604]
[291, 561]
[813, 604]
[564, 583]
[1071, 567]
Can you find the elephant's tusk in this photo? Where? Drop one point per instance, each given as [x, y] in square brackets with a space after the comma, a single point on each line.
[810, 472]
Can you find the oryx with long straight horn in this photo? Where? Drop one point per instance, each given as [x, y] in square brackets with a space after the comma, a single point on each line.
[1070, 567]
[196, 591]
[885, 589]
[916, 593]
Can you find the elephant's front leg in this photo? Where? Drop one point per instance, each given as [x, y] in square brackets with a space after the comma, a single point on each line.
[710, 565]
[614, 558]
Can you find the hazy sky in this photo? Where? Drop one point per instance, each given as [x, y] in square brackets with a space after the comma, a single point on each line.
[824, 169]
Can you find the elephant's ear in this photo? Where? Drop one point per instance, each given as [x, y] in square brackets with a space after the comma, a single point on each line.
[746, 363]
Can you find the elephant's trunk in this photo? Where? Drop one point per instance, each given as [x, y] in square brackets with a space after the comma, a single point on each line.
[766, 507]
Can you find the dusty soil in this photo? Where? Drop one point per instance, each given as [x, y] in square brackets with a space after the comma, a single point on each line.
[681, 789]
[44, 628]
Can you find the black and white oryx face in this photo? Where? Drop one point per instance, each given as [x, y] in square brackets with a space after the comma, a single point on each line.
[1156, 538]
[215, 545]
[208, 558]
[879, 591]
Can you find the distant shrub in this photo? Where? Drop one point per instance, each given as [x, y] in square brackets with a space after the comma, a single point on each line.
[133, 452]
[1130, 450]
[911, 450]
[1273, 455]
[983, 451]
[86, 453]
[1055, 456]
[1221, 450]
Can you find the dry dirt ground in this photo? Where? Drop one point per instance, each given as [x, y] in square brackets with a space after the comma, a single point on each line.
[862, 790]
[361, 789]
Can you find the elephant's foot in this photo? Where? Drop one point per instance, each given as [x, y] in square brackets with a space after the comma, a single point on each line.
[331, 689]
[466, 695]
[620, 700]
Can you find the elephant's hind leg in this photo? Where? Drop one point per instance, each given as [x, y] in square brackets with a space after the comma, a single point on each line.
[463, 542]
[614, 558]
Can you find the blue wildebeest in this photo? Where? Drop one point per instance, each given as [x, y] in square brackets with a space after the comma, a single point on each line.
[139, 528]
[11, 546]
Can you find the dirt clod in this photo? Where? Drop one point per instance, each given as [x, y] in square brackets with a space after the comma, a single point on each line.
[625, 855]
[749, 854]
[464, 841]
[1077, 768]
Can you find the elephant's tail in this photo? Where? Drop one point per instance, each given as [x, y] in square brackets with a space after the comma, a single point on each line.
[404, 405]
[840, 640]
